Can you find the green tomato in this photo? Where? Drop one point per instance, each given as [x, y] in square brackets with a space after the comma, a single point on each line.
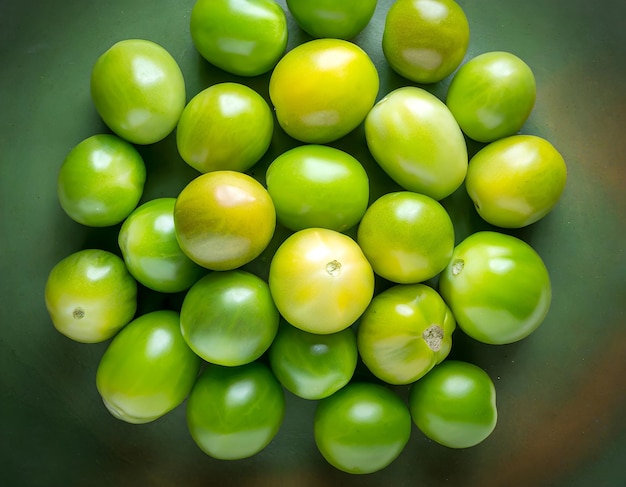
[242, 37]
[454, 404]
[405, 331]
[151, 252]
[330, 18]
[90, 295]
[516, 181]
[491, 96]
[225, 126]
[138, 89]
[101, 181]
[318, 186]
[497, 287]
[417, 142]
[425, 40]
[320, 280]
[407, 237]
[235, 412]
[362, 428]
[228, 318]
[148, 369]
[310, 365]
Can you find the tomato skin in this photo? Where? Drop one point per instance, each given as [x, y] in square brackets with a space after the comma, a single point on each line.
[148, 369]
[310, 365]
[492, 95]
[497, 287]
[90, 295]
[101, 181]
[320, 280]
[138, 89]
[417, 142]
[405, 331]
[330, 18]
[323, 89]
[228, 318]
[242, 37]
[225, 126]
[516, 181]
[362, 428]
[318, 186]
[235, 412]
[454, 404]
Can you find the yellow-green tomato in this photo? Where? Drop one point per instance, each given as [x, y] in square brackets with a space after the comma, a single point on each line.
[310, 365]
[148, 369]
[242, 37]
[225, 126]
[516, 181]
[362, 428]
[318, 186]
[235, 412]
[405, 331]
[147, 239]
[497, 286]
[228, 318]
[320, 280]
[138, 89]
[407, 237]
[331, 18]
[425, 40]
[455, 404]
[492, 95]
[90, 295]
[101, 181]
[417, 142]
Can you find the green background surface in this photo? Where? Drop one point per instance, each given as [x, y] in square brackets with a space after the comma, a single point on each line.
[561, 392]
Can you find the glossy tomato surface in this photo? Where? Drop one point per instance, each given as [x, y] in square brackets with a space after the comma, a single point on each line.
[147, 369]
[138, 89]
[235, 412]
[225, 126]
[362, 428]
[228, 318]
[243, 37]
[101, 181]
[492, 95]
[90, 295]
[497, 286]
[455, 404]
[405, 331]
[320, 280]
[416, 140]
[516, 181]
[323, 89]
[318, 186]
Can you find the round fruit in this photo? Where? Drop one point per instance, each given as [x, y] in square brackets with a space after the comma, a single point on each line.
[407, 237]
[516, 181]
[242, 37]
[323, 89]
[491, 96]
[425, 40]
[224, 219]
[497, 286]
[90, 295]
[226, 126]
[139, 91]
[454, 404]
[101, 181]
[318, 186]
[417, 142]
[320, 280]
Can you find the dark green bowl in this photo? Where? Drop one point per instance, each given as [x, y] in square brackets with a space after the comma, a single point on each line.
[561, 391]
